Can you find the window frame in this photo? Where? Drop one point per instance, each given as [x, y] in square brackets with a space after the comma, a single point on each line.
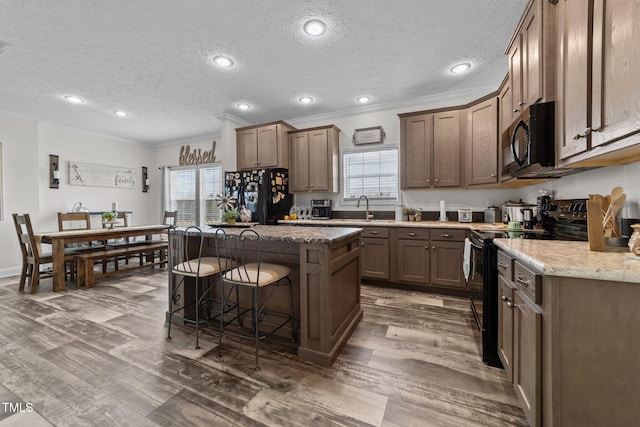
[378, 201]
[200, 210]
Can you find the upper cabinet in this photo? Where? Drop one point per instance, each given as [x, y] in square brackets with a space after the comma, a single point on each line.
[430, 149]
[314, 160]
[263, 146]
[531, 57]
[599, 93]
[482, 143]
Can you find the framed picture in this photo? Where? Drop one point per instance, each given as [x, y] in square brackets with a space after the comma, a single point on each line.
[373, 135]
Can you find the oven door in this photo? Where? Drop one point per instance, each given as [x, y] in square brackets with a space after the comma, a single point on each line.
[476, 280]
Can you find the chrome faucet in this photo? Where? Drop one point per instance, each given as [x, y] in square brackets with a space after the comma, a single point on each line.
[367, 216]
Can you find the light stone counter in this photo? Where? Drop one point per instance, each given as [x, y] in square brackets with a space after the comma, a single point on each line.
[393, 223]
[292, 234]
[573, 259]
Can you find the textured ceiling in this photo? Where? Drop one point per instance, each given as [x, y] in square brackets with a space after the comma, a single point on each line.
[150, 58]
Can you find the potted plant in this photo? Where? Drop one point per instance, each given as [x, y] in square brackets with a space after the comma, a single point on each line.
[410, 213]
[109, 216]
[229, 216]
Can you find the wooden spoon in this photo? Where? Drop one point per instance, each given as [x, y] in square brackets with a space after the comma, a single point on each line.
[613, 210]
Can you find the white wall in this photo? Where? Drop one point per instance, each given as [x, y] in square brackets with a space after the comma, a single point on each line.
[26, 149]
[20, 164]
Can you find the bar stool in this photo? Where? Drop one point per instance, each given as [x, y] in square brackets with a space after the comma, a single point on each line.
[187, 262]
[257, 276]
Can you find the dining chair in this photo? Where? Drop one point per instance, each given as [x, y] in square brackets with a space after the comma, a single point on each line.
[76, 221]
[33, 258]
[122, 220]
[188, 265]
[259, 277]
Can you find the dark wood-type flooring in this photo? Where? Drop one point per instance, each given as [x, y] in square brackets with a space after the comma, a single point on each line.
[100, 357]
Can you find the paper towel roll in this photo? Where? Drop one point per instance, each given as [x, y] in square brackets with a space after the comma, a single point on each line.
[443, 211]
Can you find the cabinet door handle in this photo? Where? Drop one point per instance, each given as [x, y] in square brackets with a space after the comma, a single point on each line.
[428, 181]
[504, 298]
[375, 232]
[493, 175]
[433, 247]
[511, 305]
[411, 234]
[520, 279]
[520, 104]
[586, 132]
[446, 236]
[502, 265]
[363, 244]
[437, 180]
[515, 110]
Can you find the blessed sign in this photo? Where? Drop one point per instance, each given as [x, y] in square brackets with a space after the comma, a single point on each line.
[197, 156]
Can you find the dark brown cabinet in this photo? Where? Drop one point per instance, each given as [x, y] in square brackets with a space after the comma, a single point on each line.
[505, 325]
[263, 146]
[482, 143]
[430, 150]
[447, 249]
[314, 160]
[374, 253]
[599, 92]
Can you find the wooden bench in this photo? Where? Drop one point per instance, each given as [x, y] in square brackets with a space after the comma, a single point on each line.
[87, 274]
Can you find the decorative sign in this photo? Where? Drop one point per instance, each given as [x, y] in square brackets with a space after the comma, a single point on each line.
[368, 135]
[187, 157]
[89, 174]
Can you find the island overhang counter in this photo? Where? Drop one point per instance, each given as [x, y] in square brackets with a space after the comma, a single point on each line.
[325, 271]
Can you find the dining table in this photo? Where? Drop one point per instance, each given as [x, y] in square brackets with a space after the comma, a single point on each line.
[58, 240]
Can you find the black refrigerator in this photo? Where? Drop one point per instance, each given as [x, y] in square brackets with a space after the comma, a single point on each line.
[265, 192]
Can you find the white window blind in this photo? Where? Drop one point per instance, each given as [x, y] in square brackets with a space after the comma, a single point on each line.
[373, 173]
[193, 190]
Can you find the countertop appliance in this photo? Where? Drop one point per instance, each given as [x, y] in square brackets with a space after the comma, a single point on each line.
[265, 192]
[321, 209]
[514, 211]
[528, 145]
[561, 220]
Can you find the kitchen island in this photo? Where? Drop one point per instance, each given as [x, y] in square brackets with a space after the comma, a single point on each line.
[568, 331]
[325, 271]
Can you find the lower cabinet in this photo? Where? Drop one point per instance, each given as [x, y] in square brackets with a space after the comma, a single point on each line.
[505, 325]
[374, 253]
[447, 251]
[520, 333]
[413, 260]
[527, 356]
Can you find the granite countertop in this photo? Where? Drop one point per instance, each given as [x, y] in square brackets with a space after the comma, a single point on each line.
[295, 234]
[573, 259]
[393, 223]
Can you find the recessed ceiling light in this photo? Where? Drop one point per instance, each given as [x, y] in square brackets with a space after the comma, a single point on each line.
[120, 113]
[74, 99]
[223, 61]
[305, 99]
[315, 27]
[460, 68]
[243, 106]
[363, 99]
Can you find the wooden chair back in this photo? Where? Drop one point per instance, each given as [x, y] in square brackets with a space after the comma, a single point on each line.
[170, 218]
[74, 221]
[28, 244]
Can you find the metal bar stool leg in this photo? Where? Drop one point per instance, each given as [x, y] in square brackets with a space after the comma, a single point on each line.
[256, 322]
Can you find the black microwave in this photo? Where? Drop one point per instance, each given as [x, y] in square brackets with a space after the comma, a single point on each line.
[528, 145]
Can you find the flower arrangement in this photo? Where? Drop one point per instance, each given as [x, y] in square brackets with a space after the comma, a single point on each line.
[109, 216]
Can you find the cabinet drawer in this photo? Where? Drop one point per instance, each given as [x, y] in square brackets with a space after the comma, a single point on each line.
[447, 234]
[527, 281]
[505, 265]
[380, 232]
[413, 233]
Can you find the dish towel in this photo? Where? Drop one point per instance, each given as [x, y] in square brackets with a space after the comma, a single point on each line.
[466, 259]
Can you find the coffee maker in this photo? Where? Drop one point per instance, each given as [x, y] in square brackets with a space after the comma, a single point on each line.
[321, 209]
[544, 204]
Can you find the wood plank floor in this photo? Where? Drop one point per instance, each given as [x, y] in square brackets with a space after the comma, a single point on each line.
[100, 357]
